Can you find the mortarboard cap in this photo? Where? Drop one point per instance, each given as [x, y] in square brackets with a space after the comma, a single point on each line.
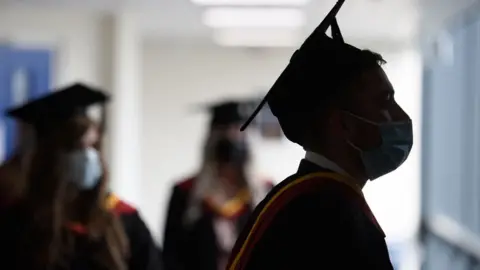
[312, 76]
[50, 110]
[229, 112]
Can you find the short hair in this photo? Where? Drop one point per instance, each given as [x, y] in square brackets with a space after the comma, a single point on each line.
[366, 60]
[369, 57]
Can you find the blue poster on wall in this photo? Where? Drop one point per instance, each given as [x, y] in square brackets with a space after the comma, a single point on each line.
[24, 74]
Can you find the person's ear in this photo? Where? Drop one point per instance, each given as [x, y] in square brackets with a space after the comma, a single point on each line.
[343, 123]
[332, 119]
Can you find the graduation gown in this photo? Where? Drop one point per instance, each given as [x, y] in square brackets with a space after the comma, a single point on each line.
[144, 254]
[11, 228]
[314, 219]
[194, 246]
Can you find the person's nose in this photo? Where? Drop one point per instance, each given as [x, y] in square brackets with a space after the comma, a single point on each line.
[397, 114]
[90, 138]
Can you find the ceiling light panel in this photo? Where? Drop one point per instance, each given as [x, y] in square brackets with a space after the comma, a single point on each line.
[250, 2]
[266, 37]
[227, 17]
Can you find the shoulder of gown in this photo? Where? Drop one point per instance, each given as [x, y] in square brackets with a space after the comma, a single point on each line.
[316, 213]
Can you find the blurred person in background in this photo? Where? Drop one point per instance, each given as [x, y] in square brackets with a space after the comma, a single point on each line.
[207, 211]
[337, 103]
[66, 218]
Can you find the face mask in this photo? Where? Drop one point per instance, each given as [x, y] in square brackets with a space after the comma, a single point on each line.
[85, 168]
[397, 141]
[231, 151]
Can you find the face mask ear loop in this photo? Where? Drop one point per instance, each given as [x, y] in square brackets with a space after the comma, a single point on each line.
[353, 145]
[361, 118]
[349, 142]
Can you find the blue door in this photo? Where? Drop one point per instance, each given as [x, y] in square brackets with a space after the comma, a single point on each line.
[24, 74]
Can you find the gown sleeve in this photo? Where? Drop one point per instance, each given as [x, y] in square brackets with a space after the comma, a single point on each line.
[174, 234]
[144, 254]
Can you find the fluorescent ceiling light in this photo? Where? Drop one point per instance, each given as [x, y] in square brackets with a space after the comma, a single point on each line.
[250, 2]
[256, 37]
[253, 17]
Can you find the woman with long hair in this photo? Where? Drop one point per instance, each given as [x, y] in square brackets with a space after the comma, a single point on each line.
[67, 207]
[13, 183]
[207, 211]
[68, 218]
[12, 170]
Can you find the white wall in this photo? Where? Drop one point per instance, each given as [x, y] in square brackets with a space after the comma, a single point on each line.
[177, 77]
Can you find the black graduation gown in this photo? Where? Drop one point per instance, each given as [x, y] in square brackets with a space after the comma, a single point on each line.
[144, 254]
[319, 223]
[11, 221]
[193, 247]
[14, 223]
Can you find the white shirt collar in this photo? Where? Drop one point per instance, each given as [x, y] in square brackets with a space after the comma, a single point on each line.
[324, 162]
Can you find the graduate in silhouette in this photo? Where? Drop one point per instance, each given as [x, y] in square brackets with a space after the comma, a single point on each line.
[207, 211]
[335, 101]
[66, 217]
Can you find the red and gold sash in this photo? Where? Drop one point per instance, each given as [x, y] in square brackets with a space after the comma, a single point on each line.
[233, 207]
[241, 252]
[112, 203]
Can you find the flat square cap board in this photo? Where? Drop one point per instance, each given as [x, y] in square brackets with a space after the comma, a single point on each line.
[229, 111]
[59, 105]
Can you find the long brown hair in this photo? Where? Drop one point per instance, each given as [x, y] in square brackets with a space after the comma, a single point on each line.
[53, 203]
[14, 170]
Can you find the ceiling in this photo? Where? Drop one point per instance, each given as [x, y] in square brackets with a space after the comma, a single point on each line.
[361, 21]
[352, 22]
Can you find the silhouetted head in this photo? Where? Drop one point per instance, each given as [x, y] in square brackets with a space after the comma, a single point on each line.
[335, 99]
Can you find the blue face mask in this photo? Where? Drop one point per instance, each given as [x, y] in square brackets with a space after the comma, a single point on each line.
[85, 168]
[397, 141]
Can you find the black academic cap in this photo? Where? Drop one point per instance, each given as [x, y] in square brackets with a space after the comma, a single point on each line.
[313, 74]
[60, 105]
[228, 112]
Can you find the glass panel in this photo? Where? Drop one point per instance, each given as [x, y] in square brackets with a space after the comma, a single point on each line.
[469, 129]
[476, 146]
